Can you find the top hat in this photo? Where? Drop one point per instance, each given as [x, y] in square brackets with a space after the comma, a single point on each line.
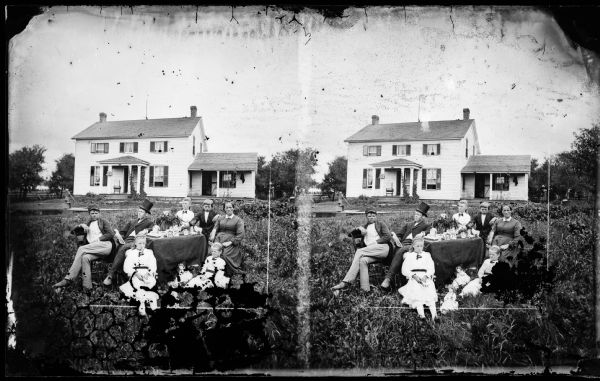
[422, 208]
[146, 205]
[93, 207]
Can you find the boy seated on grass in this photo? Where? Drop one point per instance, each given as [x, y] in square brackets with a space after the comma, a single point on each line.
[140, 267]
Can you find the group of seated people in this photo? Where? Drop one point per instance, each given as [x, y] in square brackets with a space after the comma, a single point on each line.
[224, 233]
[404, 250]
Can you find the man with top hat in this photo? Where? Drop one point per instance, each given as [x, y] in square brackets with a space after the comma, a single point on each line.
[97, 243]
[185, 215]
[483, 221]
[403, 240]
[126, 237]
[375, 236]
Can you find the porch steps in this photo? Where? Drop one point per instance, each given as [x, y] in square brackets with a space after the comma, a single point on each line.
[117, 196]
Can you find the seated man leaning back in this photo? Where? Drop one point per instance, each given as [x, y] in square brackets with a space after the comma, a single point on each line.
[416, 228]
[126, 237]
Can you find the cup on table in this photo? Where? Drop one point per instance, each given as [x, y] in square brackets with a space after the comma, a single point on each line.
[186, 232]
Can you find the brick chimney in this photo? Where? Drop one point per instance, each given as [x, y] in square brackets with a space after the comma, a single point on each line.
[466, 113]
[193, 111]
[102, 117]
[375, 119]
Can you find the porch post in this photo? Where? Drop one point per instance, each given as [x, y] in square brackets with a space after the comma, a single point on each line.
[218, 177]
[402, 180]
[491, 186]
[139, 178]
[410, 185]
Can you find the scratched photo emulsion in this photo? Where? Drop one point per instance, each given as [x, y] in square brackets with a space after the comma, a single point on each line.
[289, 191]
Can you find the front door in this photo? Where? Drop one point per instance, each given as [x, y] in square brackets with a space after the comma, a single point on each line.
[125, 179]
[398, 182]
[480, 185]
[207, 182]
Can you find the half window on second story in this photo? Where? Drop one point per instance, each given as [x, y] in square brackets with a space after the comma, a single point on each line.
[159, 147]
[99, 147]
[128, 147]
[432, 149]
[371, 150]
[401, 150]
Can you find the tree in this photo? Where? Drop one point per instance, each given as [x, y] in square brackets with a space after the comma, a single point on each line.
[290, 170]
[584, 156]
[62, 177]
[335, 179]
[25, 166]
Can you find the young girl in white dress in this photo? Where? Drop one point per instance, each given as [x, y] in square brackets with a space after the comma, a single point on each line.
[418, 268]
[140, 267]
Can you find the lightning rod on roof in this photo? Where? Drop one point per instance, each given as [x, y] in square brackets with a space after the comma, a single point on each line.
[146, 106]
[419, 111]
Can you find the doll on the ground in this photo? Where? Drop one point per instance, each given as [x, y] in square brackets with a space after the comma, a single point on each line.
[419, 269]
[140, 267]
[462, 278]
[182, 278]
[473, 288]
[449, 303]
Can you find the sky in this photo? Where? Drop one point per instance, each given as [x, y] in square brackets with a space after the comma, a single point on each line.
[267, 80]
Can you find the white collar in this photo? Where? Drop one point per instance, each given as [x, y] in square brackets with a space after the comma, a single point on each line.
[229, 217]
[506, 219]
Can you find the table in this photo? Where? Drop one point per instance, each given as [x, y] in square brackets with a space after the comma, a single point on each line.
[447, 254]
[169, 252]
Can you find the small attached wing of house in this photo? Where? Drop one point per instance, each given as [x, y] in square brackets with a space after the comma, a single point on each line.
[498, 164]
[218, 161]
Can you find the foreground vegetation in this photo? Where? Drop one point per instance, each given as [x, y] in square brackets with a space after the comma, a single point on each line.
[351, 330]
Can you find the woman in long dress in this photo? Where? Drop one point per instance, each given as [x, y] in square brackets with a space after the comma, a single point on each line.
[229, 231]
[506, 233]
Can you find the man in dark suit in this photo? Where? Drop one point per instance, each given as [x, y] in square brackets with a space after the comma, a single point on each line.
[205, 220]
[483, 220]
[410, 230]
[143, 224]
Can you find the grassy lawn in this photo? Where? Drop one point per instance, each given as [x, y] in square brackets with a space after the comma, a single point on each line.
[351, 330]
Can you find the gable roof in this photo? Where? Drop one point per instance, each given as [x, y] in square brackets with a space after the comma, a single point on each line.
[412, 131]
[124, 160]
[396, 163]
[223, 161]
[143, 128]
[498, 164]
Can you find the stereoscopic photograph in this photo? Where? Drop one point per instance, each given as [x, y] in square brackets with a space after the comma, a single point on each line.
[296, 190]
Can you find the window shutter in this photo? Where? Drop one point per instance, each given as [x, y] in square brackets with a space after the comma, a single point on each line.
[439, 149]
[424, 149]
[91, 176]
[166, 145]
[135, 147]
[152, 147]
[121, 147]
[408, 150]
[438, 184]
[104, 175]
[394, 150]
[424, 179]
[93, 148]
[364, 178]
[105, 147]
[378, 150]
[365, 150]
[151, 177]
[165, 176]
[377, 180]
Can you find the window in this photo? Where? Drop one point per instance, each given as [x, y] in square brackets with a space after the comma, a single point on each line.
[367, 178]
[159, 176]
[500, 182]
[194, 146]
[431, 179]
[371, 150]
[129, 147]
[401, 150]
[227, 180]
[99, 148]
[95, 176]
[467, 149]
[159, 147]
[432, 149]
